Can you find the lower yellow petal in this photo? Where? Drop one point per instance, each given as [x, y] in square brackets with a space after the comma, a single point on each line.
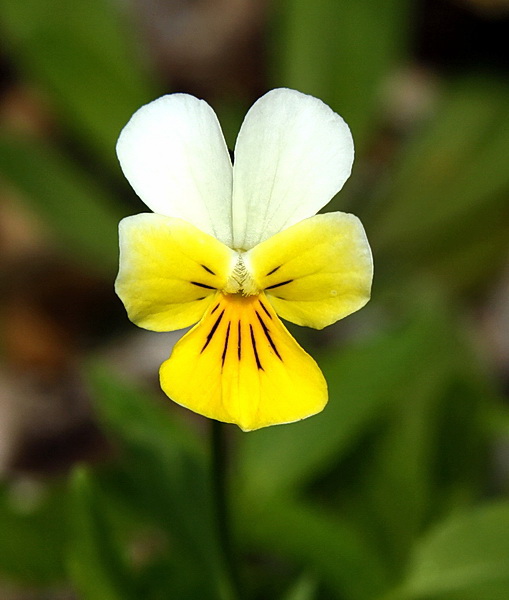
[317, 271]
[169, 271]
[240, 365]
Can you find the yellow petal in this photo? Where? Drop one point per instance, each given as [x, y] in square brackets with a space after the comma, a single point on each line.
[240, 365]
[169, 271]
[317, 271]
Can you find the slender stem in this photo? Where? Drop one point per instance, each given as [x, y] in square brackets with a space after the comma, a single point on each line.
[220, 494]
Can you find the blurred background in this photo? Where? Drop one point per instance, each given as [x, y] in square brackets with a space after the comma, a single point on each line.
[399, 490]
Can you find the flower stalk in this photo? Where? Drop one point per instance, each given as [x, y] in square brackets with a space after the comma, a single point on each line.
[219, 455]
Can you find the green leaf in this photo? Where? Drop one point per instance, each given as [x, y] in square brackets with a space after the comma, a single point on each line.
[162, 478]
[305, 588]
[399, 485]
[97, 567]
[445, 203]
[429, 457]
[82, 54]
[337, 554]
[32, 542]
[80, 213]
[466, 556]
[463, 133]
[476, 259]
[340, 51]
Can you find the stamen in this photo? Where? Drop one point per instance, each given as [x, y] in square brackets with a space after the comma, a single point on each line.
[240, 280]
[212, 331]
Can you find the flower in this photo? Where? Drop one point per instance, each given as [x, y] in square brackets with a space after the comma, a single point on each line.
[232, 247]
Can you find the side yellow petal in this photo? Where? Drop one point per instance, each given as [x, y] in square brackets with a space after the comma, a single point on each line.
[169, 271]
[240, 365]
[317, 271]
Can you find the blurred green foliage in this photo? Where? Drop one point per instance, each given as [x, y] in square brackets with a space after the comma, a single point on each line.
[79, 211]
[446, 200]
[83, 56]
[387, 495]
[341, 52]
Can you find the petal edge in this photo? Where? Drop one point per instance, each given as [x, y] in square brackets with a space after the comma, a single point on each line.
[173, 153]
[240, 365]
[317, 271]
[292, 155]
[169, 271]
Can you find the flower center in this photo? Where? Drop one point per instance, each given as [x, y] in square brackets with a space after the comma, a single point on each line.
[241, 281]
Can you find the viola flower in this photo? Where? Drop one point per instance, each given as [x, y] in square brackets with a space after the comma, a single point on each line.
[232, 247]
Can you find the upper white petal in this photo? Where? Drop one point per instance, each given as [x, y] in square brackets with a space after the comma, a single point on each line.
[174, 154]
[293, 154]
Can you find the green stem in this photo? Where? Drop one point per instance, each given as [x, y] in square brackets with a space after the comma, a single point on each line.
[221, 505]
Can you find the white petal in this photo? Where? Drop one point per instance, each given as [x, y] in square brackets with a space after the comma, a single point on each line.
[293, 154]
[174, 155]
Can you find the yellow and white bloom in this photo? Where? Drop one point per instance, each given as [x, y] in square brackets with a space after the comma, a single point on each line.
[231, 247]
